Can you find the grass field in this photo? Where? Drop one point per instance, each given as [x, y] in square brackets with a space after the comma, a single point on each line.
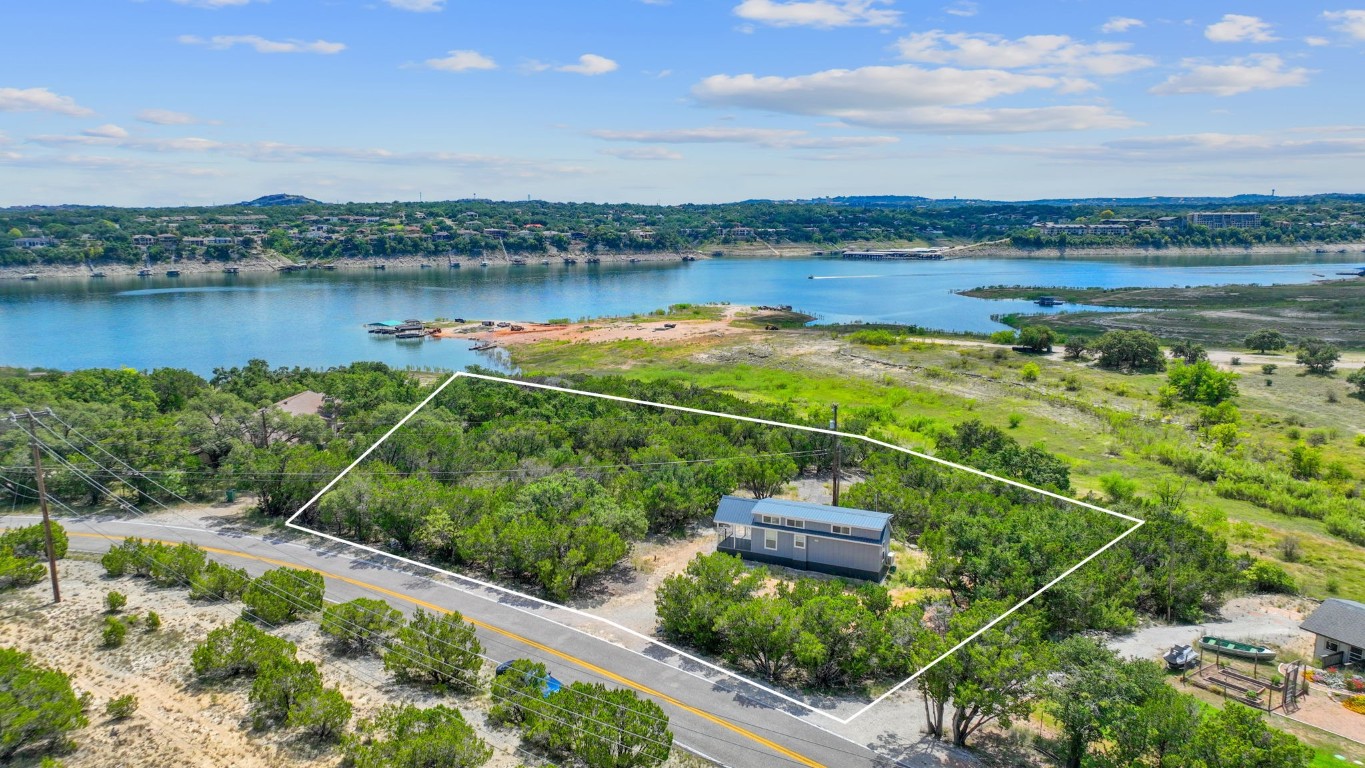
[1217, 315]
[1101, 422]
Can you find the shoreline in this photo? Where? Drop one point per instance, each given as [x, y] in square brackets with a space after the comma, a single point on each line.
[257, 264]
[968, 252]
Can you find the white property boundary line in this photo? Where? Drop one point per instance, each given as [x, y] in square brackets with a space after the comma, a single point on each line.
[1137, 523]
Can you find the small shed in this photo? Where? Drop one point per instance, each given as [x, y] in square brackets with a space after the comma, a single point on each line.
[1340, 627]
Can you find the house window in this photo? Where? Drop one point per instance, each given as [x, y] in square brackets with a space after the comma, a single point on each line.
[842, 530]
[799, 541]
[1357, 655]
[771, 520]
[770, 539]
[1331, 646]
[795, 523]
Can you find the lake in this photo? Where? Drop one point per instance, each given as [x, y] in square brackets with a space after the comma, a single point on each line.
[315, 318]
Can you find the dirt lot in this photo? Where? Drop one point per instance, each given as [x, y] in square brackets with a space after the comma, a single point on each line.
[605, 330]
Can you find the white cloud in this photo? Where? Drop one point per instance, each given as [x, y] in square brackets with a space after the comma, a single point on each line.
[461, 61]
[1317, 42]
[40, 100]
[263, 45]
[774, 138]
[961, 8]
[1038, 52]
[1121, 24]
[821, 14]
[589, 64]
[106, 131]
[1236, 28]
[167, 117]
[834, 91]
[1253, 73]
[1202, 147]
[642, 153]
[1352, 22]
[418, 6]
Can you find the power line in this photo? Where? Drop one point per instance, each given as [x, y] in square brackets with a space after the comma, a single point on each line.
[133, 509]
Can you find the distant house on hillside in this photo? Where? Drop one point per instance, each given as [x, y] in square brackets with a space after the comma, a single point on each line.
[306, 403]
[812, 537]
[1340, 627]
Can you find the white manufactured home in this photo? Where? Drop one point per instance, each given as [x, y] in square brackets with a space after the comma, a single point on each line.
[812, 537]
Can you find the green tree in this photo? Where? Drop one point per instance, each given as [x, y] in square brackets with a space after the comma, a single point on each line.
[38, 707]
[404, 736]
[1202, 382]
[1237, 737]
[1317, 356]
[764, 476]
[1037, 338]
[604, 727]
[1189, 352]
[1129, 351]
[321, 713]
[1090, 691]
[690, 603]
[219, 582]
[1305, 463]
[518, 693]
[174, 387]
[29, 541]
[237, 649]
[436, 650]
[360, 625]
[1076, 348]
[280, 684]
[1357, 379]
[1118, 486]
[282, 595]
[1264, 340]
[762, 633]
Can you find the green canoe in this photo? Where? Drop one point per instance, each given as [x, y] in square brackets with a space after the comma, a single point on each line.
[1232, 648]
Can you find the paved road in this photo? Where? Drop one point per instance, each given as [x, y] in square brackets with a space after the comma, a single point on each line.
[727, 721]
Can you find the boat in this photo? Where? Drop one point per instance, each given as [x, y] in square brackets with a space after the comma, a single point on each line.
[97, 274]
[1233, 648]
[414, 333]
[570, 260]
[144, 273]
[378, 266]
[329, 266]
[29, 276]
[483, 263]
[544, 261]
[1181, 657]
[424, 266]
[231, 270]
[454, 265]
[634, 261]
[172, 273]
[518, 262]
[482, 347]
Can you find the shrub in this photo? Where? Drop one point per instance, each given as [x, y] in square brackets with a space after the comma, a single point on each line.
[237, 649]
[19, 571]
[360, 625]
[219, 582]
[436, 650]
[1289, 549]
[404, 736]
[37, 704]
[1264, 576]
[1235, 360]
[1304, 463]
[873, 338]
[1005, 337]
[153, 621]
[114, 632]
[281, 683]
[1071, 382]
[114, 601]
[1015, 420]
[1269, 369]
[1030, 372]
[1201, 382]
[1317, 356]
[31, 541]
[282, 595]
[1118, 486]
[1332, 396]
[121, 708]
[323, 713]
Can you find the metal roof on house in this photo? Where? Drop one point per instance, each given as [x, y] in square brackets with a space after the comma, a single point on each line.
[735, 511]
[1338, 619]
[734, 507]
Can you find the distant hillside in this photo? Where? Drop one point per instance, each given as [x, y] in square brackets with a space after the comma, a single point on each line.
[275, 201]
[907, 201]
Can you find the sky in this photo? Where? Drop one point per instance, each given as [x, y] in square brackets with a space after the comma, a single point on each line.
[192, 102]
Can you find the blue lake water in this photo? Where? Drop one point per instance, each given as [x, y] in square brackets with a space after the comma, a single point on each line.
[315, 318]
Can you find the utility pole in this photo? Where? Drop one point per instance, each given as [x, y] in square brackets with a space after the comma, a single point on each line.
[834, 426]
[42, 504]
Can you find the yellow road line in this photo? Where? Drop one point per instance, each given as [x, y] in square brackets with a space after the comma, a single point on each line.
[798, 757]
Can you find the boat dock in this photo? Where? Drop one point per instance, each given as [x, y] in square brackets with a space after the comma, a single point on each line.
[911, 254]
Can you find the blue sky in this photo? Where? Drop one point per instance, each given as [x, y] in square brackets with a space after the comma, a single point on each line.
[169, 102]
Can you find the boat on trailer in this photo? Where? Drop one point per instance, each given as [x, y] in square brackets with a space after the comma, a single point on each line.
[1234, 648]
